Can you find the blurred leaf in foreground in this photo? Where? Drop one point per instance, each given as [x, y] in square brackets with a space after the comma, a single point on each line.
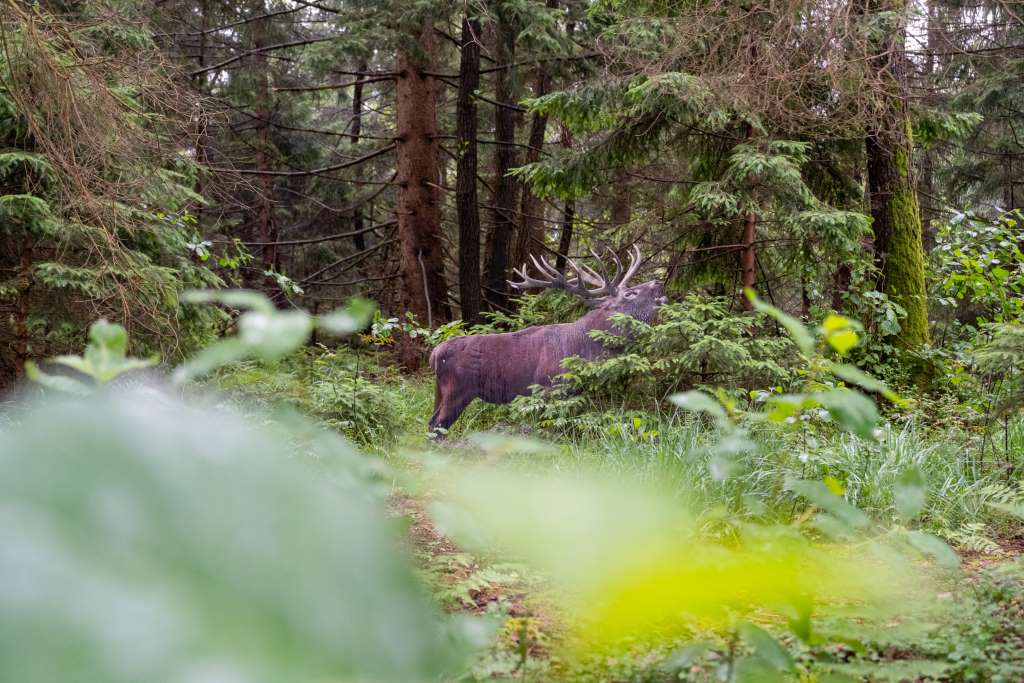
[104, 360]
[147, 541]
[629, 562]
[265, 332]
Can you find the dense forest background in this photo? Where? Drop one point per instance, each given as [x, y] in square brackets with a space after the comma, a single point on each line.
[858, 157]
[232, 232]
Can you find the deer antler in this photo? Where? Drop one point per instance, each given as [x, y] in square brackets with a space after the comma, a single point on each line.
[634, 265]
[551, 278]
[600, 285]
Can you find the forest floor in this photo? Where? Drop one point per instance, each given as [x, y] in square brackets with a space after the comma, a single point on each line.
[976, 633]
[533, 627]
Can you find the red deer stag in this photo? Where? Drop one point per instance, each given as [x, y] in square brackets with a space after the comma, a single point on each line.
[498, 367]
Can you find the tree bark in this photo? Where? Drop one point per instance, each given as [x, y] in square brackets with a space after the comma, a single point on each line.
[21, 314]
[748, 256]
[499, 241]
[466, 202]
[899, 253]
[530, 237]
[359, 239]
[198, 85]
[568, 213]
[421, 264]
[622, 202]
[748, 259]
[565, 238]
[926, 176]
[265, 230]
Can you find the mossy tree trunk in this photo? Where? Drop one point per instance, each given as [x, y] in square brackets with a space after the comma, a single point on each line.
[899, 251]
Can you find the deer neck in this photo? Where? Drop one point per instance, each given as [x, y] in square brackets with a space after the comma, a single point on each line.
[598, 319]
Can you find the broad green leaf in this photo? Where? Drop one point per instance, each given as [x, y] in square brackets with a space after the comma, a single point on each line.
[722, 467]
[354, 317]
[144, 540]
[110, 337]
[834, 485]
[687, 656]
[272, 335]
[782, 407]
[1015, 510]
[63, 383]
[910, 493]
[819, 494]
[934, 547]
[766, 646]
[832, 527]
[756, 670]
[224, 352]
[835, 323]
[855, 375]
[842, 341]
[699, 402]
[798, 617]
[104, 357]
[628, 562]
[800, 334]
[855, 412]
[236, 298]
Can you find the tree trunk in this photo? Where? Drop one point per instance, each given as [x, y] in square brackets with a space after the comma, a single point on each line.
[421, 263]
[748, 259]
[466, 202]
[568, 213]
[21, 314]
[359, 239]
[499, 241]
[841, 285]
[899, 253]
[622, 202]
[565, 238]
[201, 141]
[264, 218]
[530, 238]
[926, 177]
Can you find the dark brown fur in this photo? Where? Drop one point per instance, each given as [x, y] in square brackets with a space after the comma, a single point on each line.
[498, 367]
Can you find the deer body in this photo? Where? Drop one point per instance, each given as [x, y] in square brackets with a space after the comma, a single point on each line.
[498, 367]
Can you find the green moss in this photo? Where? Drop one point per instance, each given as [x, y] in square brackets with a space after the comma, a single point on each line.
[905, 263]
[904, 266]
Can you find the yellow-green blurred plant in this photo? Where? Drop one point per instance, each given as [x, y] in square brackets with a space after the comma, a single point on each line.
[628, 564]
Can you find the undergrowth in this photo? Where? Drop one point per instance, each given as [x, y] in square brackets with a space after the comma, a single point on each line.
[382, 410]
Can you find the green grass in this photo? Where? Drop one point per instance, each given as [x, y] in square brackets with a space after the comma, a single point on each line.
[384, 411]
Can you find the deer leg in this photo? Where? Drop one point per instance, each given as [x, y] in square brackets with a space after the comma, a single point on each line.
[437, 404]
[448, 411]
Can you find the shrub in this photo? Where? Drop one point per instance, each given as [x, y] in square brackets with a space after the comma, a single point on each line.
[335, 387]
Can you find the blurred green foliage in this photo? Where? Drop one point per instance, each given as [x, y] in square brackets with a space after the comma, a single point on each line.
[149, 540]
